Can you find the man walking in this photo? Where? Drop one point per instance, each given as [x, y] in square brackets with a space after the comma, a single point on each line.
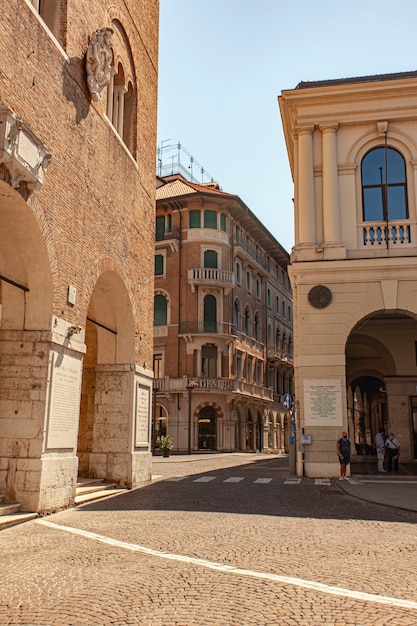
[380, 449]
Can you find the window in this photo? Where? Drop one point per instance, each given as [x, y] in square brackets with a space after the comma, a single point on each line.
[247, 322]
[268, 297]
[257, 327]
[194, 220]
[248, 281]
[277, 305]
[236, 315]
[384, 185]
[159, 228]
[283, 310]
[210, 259]
[210, 314]
[238, 273]
[51, 12]
[210, 219]
[258, 288]
[158, 366]
[160, 311]
[222, 222]
[209, 361]
[289, 314]
[159, 265]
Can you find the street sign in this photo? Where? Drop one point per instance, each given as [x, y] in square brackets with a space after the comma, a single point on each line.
[286, 401]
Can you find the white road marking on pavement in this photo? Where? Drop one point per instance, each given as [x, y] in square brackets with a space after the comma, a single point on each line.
[263, 481]
[175, 479]
[390, 482]
[204, 479]
[230, 569]
[233, 479]
[292, 481]
[322, 481]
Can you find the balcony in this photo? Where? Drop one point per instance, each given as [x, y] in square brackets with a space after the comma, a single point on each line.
[393, 235]
[280, 356]
[261, 259]
[211, 277]
[167, 239]
[205, 328]
[219, 385]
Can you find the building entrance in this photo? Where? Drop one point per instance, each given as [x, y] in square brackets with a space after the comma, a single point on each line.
[207, 429]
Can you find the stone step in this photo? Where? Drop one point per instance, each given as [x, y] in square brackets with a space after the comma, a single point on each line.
[93, 487]
[2, 498]
[89, 496]
[6, 521]
[9, 508]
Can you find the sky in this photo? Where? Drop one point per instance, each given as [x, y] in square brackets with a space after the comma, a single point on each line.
[223, 63]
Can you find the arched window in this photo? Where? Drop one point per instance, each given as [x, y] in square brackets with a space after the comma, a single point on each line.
[257, 328]
[210, 314]
[160, 311]
[247, 322]
[384, 185]
[236, 315]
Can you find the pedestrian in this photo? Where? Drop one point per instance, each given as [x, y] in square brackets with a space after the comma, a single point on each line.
[380, 449]
[343, 452]
[393, 449]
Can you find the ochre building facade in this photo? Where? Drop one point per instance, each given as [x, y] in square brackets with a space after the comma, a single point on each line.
[78, 90]
[352, 146]
[222, 323]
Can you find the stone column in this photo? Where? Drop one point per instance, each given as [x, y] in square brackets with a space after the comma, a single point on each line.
[331, 211]
[306, 198]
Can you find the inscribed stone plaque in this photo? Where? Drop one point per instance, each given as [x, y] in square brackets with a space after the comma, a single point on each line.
[64, 401]
[143, 413]
[323, 402]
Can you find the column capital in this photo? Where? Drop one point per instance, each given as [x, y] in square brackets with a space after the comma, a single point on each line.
[330, 126]
[304, 130]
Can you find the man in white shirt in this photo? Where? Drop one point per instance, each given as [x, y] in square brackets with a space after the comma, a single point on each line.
[393, 448]
[380, 449]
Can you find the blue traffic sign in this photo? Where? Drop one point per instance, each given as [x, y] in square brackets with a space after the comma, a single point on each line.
[286, 401]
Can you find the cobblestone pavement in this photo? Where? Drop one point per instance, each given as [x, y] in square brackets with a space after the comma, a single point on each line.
[224, 540]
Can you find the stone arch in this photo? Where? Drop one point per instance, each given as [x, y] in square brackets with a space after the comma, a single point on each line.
[202, 405]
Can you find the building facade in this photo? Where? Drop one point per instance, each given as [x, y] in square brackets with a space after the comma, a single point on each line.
[222, 323]
[78, 91]
[352, 146]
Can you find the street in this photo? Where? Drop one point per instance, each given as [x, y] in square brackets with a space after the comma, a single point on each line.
[215, 540]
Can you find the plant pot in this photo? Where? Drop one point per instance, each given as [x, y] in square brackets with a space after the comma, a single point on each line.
[165, 452]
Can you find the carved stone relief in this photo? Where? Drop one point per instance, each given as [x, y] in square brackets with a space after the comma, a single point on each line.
[99, 61]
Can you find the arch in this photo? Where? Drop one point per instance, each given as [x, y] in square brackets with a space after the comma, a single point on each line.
[257, 326]
[248, 321]
[207, 428]
[384, 185]
[236, 314]
[160, 310]
[29, 306]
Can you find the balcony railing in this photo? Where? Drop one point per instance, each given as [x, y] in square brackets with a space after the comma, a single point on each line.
[210, 276]
[222, 385]
[388, 234]
[261, 259]
[205, 327]
[275, 354]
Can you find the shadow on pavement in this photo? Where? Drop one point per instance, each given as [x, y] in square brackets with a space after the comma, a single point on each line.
[178, 490]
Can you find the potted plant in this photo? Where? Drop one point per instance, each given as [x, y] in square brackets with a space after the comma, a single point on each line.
[165, 443]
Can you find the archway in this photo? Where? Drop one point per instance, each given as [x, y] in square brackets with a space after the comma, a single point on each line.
[249, 432]
[207, 428]
[104, 438]
[381, 377]
[25, 326]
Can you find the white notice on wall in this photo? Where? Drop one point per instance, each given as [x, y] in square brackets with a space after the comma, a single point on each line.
[143, 413]
[323, 402]
[64, 402]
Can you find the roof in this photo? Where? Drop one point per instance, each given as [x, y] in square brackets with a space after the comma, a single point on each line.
[176, 187]
[306, 84]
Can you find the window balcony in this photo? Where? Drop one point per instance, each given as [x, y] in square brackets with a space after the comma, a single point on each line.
[395, 235]
[255, 255]
[211, 277]
[277, 356]
[205, 328]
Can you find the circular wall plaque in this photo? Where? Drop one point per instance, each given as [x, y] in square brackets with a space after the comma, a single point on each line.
[319, 296]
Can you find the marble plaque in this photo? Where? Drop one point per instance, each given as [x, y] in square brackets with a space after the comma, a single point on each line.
[323, 402]
[142, 414]
[64, 401]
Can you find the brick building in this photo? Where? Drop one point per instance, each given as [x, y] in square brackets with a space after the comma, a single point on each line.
[222, 322]
[352, 146]
[78, 88]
